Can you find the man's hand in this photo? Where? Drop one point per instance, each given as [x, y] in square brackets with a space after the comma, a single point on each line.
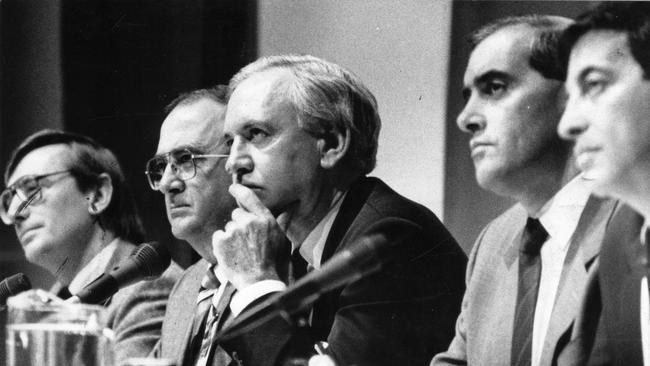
[249, 247]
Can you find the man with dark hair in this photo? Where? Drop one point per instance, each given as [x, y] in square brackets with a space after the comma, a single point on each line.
[188, 169]
[608, 116]
[74, 216]
[529, 265]
[303, 136]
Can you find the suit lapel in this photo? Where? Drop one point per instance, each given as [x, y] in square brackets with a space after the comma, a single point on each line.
[357, 196]
[182, 305]
[354, 200]
[583, 248]
[497, 280]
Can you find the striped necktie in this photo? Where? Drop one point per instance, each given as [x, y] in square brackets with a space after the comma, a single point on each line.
[212, 307]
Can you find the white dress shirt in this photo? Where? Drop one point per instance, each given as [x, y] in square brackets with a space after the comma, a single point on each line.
[560, 218]
[645, 308]
[311, 249]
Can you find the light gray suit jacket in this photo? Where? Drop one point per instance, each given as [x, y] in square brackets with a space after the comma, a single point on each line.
[484, 327]
[178, 320]
[135, 313]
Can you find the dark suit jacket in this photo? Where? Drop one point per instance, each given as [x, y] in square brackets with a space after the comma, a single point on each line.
[484, 327]
[403, 314]
[614, 337]
[135, 313]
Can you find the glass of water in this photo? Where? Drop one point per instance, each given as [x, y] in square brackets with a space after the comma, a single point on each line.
[44, 333]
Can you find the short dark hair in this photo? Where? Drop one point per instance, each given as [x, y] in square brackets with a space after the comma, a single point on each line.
[328, 98]
[217, 93]
[629, 17]
[544, 50]
[90, 159]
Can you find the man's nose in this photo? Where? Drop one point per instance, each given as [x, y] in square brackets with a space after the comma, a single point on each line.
[239, 161]
[169, 182]
[573, 123]
[471, 119]
[18, 210]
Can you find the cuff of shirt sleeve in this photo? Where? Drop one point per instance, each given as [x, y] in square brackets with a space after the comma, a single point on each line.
[241, 299]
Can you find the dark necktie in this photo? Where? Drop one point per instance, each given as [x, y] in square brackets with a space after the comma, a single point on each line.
[298, 265]
[530, 267]
[64, 293]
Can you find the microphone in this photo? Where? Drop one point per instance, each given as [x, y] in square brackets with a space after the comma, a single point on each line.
[365, 257]
[13, 285]
[147, 262]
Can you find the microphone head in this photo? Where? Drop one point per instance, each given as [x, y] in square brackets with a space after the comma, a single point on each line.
[13, 285]
[152, 258]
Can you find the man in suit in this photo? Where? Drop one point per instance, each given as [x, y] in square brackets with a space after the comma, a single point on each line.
[608, 116]
[303, 136]
[188, 169]
[528, 267]
[74, 215]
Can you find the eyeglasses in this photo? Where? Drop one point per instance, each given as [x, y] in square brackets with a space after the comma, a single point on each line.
[28, 189]
[183, 163]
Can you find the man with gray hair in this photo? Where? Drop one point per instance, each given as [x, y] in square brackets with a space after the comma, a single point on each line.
[303, 137]
[528, 267]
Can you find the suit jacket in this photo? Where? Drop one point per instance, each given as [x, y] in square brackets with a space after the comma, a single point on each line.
[401, 315]
[181, 308]
[484, 327]
[135, 313]
[608, 330]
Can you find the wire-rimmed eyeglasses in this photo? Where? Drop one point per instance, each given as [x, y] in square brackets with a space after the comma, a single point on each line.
[28, 189]
[183, 164]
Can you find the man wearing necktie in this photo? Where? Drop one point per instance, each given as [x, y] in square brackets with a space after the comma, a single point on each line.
[303, 137]
[608, 116]
[188, 169]
[528, 266]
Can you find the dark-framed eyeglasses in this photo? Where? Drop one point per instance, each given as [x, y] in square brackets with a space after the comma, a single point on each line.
[28, 189]
[183, 164]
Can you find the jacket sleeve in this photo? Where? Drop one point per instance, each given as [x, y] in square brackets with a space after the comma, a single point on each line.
[135, 314]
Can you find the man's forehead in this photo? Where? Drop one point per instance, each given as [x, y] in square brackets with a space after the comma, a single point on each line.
[599, 48]
[42, 160]
[255, 96]
[507, 50]
[196, 124]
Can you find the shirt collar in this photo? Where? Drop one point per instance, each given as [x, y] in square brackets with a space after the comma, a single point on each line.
[561, 214]
[644, 232]
[95, 268]
[312, 247]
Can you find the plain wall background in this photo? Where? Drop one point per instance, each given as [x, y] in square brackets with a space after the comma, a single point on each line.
[400, 50]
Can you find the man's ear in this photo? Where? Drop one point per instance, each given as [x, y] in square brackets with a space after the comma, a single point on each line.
[333, 147]
[99, 197]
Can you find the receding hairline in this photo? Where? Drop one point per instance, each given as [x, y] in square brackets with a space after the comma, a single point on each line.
[536, 22]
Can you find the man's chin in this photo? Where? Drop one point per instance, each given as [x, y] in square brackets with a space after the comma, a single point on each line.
[36, 253]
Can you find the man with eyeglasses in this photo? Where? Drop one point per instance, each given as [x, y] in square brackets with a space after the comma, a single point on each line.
[74, 216]
[188, 169]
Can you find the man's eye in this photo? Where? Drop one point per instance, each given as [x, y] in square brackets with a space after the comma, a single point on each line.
[494, 88]
[592, 85]
[256, 134]
[27, 187]
[178, 157]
